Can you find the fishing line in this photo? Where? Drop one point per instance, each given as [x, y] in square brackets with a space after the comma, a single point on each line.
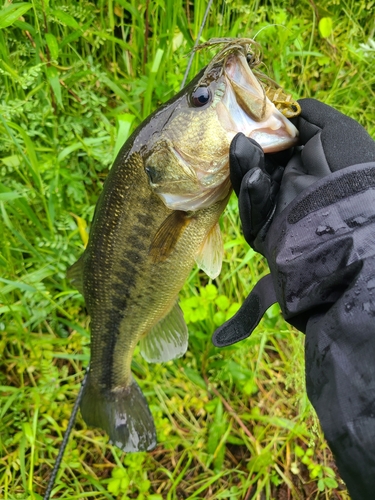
[270, 26]
[65, 440]
[196, 43]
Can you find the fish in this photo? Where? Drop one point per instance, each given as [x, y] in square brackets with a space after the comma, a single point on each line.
[157, 217]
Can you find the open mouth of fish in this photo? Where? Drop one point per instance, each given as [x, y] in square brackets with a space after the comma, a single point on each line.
[245, 108]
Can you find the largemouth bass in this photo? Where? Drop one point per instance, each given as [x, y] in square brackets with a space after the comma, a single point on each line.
[156, 217]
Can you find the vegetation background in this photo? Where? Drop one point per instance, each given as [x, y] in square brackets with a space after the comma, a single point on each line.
[76, 78]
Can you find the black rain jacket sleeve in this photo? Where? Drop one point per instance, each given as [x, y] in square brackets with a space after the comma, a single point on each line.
[311, 212]
[321, 252]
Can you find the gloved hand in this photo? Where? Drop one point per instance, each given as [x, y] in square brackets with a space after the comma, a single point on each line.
[318, 235]
[256, 179]
[331, 141]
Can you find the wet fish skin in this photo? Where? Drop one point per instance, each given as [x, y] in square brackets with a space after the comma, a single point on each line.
[157, 214]
[124, 296]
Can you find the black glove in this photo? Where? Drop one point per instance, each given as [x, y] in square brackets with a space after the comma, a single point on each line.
[331, 140]
[319, 242]
[256, 180]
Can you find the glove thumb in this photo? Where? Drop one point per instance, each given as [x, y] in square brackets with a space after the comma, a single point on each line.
[257, 199]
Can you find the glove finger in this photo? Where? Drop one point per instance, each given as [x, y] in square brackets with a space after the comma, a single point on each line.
[244, 154]
[277, 174]
[256, 202]
[343, 141]
[299, 175]
[276, 162]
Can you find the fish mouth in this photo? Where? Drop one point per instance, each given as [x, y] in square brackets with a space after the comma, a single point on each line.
[194, 173]
[246, 108]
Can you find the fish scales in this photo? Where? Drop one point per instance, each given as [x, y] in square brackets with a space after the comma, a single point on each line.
[124, 286]
[156, 216]
[132, 280]
[111, 277]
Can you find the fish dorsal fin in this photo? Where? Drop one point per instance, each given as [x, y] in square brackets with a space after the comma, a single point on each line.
[75, 274]
[167, 340]
[210, 256]
[167, 235]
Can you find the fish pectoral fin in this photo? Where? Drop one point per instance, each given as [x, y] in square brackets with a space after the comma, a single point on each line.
[210, 256]
[167, 340]
[75, 274]
[167, 235]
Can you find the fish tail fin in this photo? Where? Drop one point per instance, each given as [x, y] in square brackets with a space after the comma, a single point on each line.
[124, 414]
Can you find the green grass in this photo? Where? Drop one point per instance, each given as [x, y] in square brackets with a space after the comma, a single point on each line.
[76, 78]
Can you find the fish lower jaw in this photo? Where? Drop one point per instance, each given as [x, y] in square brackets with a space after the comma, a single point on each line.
[270, 140]
[273, 141]
[273, 134]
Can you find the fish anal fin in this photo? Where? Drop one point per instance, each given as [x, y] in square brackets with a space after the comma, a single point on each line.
[123, 413]
[167, 340]
[75, 274]
[167, 235]
[210, 256]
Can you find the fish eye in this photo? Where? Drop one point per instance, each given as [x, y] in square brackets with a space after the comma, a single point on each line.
[200, 96]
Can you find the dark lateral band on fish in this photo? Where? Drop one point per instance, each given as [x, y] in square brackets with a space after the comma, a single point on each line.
[157, 217]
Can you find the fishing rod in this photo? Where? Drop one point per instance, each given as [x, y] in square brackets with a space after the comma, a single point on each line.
[65, 440]
[196, 44]
[72, 418]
